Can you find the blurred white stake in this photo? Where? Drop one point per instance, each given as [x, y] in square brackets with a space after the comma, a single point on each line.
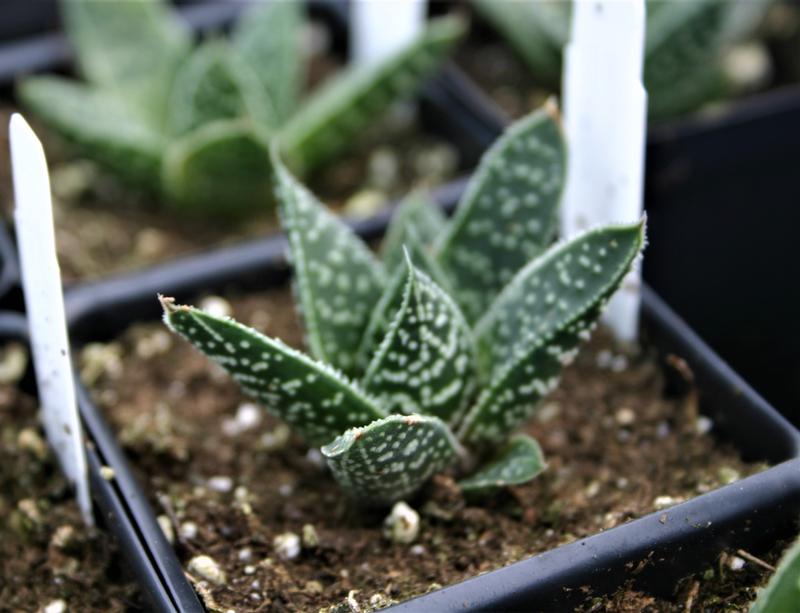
[381, 27]
[605, 108]
[44, 301]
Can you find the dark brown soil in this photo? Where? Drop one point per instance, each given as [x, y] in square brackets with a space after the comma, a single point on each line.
[46, 553]
[616, 447]
[104, 227]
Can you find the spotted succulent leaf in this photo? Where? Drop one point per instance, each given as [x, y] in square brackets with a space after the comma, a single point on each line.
[266, 38]
[535, 326]
[132, 48]
[518, 462]
[507, 215]
[99, 124]
[214, 84]
[338, 113]
[416, 213]
[392, 297]
[337, 279]
[313, 398]
[782, 593]
[223, 168]
[390, 459]
[425, 363]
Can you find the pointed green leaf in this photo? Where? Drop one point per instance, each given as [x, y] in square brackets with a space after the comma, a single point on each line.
[682, 54]
[425, 363]
[336, 115]
[418, 213]
[338, 280]
[310, 396]
[782, 593]
[521, 25]
[214, 84]
[223, 167]
[131, 47]
[266, 38]
[100, 125]
[518, 462]
[534, 327]
[392, 297]
[507, 215]
[390, 459]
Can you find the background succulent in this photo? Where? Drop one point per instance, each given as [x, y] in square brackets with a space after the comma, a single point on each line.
[684, 44]
[195, 123]
[440, 349]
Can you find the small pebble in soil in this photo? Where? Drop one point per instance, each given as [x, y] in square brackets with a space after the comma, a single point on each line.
[166, 528]
[310, 537]
[245, 554]
[107, 473]
[221, 484]
[28, 439]
[13, 362]
[313, 587]
[728, 475]
[216, 306]
[703, 425]
[736, 563]
[663, 502]
[63, 538]
[625, 416]
[379, 600]
[249, 569]
[286, 546]
[188, 530]
[276, 439]
[56, 606]
[365, 203]
[383, 169]
[418, 550]
[402, 524]
[151, 345]
[207, 568]
[248, 416]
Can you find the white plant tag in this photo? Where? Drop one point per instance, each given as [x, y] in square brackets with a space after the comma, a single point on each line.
[605, 108]
[381, 27]
[44, 301]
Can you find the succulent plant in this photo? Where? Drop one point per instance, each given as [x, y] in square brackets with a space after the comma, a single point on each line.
[194, 124]
[436, 352]
[684, 44]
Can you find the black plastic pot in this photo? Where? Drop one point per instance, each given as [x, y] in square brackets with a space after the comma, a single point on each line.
[116, 501]
[751, 513]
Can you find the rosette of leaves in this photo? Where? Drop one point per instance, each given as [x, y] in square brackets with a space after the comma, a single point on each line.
[194, 123]
[684, 45]
[431, 355]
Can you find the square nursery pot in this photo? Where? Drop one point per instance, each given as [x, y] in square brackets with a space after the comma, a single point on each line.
[751, 513]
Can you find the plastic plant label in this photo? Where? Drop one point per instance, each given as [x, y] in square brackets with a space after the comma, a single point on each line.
[44, 301]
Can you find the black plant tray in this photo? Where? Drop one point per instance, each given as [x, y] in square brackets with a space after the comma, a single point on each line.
[751, 513]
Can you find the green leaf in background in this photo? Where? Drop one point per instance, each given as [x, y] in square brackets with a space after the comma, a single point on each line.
[311, 397]
[507, 215]
[518, 462]
[213, 84]
[337, 279]
[425, 364]
[535, 326]
[100, 124]
[222, 168]
[336, 115]
[391, 458]
[416, 213]
[267, 39]
[131, 47]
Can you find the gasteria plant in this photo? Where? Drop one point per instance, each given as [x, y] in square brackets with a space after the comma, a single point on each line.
[439, 351]
[683, 50]
[194, 124]
[782, 593]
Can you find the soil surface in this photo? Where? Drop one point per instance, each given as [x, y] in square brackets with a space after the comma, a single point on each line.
[229, 479]
[47, 556]
[104, 227]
